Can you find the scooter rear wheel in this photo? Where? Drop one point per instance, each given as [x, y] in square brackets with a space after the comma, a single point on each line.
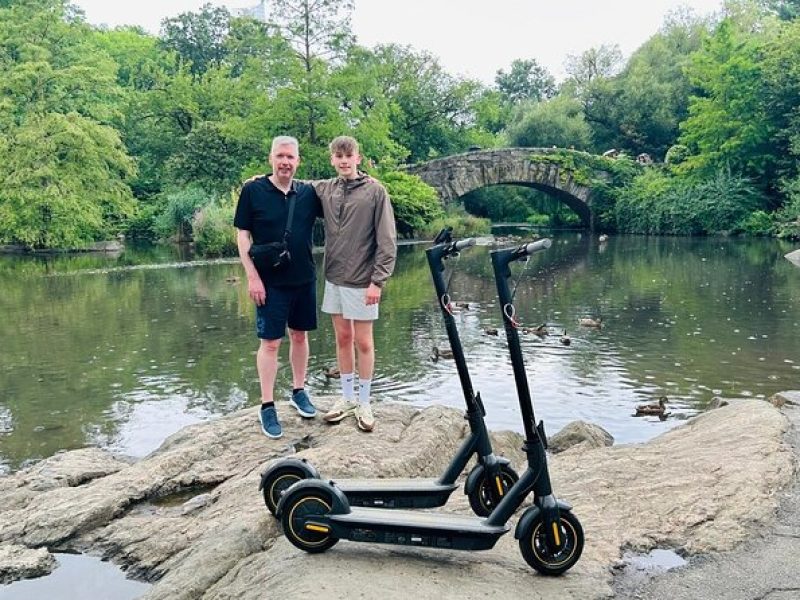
[300, 507]
[277, 483]
[537, 553]
[491, 490]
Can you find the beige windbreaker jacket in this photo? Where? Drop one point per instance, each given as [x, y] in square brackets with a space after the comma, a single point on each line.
[360, 236]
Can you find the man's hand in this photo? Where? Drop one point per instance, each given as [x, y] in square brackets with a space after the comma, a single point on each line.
[373, 295]
[256, 290]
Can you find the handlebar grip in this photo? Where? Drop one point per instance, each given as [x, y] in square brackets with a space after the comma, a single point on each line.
[537, 246]
[461, 244]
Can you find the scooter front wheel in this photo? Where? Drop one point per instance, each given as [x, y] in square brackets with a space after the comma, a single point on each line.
[297, 518]
[491, 490]
[537, 553]
[277, 483]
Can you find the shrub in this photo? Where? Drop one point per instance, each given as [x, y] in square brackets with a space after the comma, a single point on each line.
[415, 203]
[212, 228]
[463, 224]
[179, 210]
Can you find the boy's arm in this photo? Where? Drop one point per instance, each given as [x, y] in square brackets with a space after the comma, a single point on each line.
[385, 239]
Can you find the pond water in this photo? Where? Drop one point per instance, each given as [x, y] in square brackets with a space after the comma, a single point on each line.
[122, 351]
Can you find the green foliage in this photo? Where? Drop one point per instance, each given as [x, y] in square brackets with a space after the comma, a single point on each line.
[527, 80]
[728, 126]
[198, 38]
[640, 109]
[676, 155]
[463, 224]
[758, 223]
[180, 207]
[213, 231]
[787, 218]
[62, 182]
[656, 202]
[558, 122]
[415, 203]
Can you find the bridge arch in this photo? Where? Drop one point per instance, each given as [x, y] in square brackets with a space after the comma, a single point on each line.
[561, 173]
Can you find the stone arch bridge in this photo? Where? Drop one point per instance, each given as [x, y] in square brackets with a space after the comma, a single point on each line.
[551, 170]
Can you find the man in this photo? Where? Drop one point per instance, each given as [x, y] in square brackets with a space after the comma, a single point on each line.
[360, 253]
[286, 297]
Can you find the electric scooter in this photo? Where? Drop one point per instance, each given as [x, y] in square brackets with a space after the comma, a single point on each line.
[316, 514]
[488, 480]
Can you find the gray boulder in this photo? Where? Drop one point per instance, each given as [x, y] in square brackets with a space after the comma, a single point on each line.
[587, 435]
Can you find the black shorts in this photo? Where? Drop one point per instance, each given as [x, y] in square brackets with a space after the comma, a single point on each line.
[293, 306]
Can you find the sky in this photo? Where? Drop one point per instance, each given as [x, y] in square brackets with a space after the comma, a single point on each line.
[472, 38]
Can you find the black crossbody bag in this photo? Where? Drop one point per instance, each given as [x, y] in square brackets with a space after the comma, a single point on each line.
[274, 257]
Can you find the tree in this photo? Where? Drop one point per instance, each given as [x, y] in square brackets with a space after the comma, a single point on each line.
[62, 182]
[316, 29]
[602, 62]
[64, 169]
[198, 38]
[640, 109]
[527, 80]
[728, 124]
[557, 122]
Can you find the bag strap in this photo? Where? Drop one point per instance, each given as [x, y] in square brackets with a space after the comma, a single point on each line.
[288, 230]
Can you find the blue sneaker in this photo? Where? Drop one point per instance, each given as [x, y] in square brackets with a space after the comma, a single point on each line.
[270, 424]
[302, 403]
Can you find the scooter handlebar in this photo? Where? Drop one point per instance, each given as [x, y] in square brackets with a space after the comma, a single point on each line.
[536, 246]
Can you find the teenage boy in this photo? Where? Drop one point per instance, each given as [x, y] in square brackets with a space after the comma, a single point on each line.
[286, 297]
[360, 253]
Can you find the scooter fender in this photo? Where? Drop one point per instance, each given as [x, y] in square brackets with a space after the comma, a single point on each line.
[308, 470]
[532, 513]
[476, 474]
[339, 504]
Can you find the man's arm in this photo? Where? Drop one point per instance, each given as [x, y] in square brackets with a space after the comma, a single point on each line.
[255, 287]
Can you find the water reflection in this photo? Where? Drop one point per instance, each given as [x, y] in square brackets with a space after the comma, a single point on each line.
[77, 577]
[124, 357]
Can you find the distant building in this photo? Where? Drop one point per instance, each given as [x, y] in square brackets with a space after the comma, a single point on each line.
[258, 12]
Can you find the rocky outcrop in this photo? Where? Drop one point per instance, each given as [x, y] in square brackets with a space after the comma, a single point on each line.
[190, 517]
[587, 435]
[21, 562]
[793, 257]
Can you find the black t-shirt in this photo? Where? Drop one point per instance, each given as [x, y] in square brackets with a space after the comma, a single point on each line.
[263, 209]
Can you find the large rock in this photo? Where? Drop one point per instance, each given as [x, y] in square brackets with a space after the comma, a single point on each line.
[587, 435]
[793, 257]
[704, 486]
[20, 562]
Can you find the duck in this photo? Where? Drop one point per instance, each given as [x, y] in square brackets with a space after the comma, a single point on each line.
[540, 330]
[657, 410]
[589, 322]
[464, 305]
[232, 279]
[491, 331]
[565, 339]
[331, 372]
[603, 238]
[437, 354]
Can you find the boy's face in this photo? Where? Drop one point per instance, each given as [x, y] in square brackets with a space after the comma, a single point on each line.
[346, 163]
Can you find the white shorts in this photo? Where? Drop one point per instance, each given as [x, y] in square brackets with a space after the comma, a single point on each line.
[348, 302]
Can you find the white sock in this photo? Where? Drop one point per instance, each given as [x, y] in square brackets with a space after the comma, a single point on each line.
[348, 380]
[364, 387]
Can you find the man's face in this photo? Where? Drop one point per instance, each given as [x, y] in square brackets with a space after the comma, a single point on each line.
[346, 163]
[284, 160]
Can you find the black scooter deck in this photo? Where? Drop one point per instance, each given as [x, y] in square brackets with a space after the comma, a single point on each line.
[413, 528]
[395, 493]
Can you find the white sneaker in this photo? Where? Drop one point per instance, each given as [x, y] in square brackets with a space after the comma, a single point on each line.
[341, 408]
[364, 417]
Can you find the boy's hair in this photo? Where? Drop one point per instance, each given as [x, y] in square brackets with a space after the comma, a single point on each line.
[284, 140]
[343, 144]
